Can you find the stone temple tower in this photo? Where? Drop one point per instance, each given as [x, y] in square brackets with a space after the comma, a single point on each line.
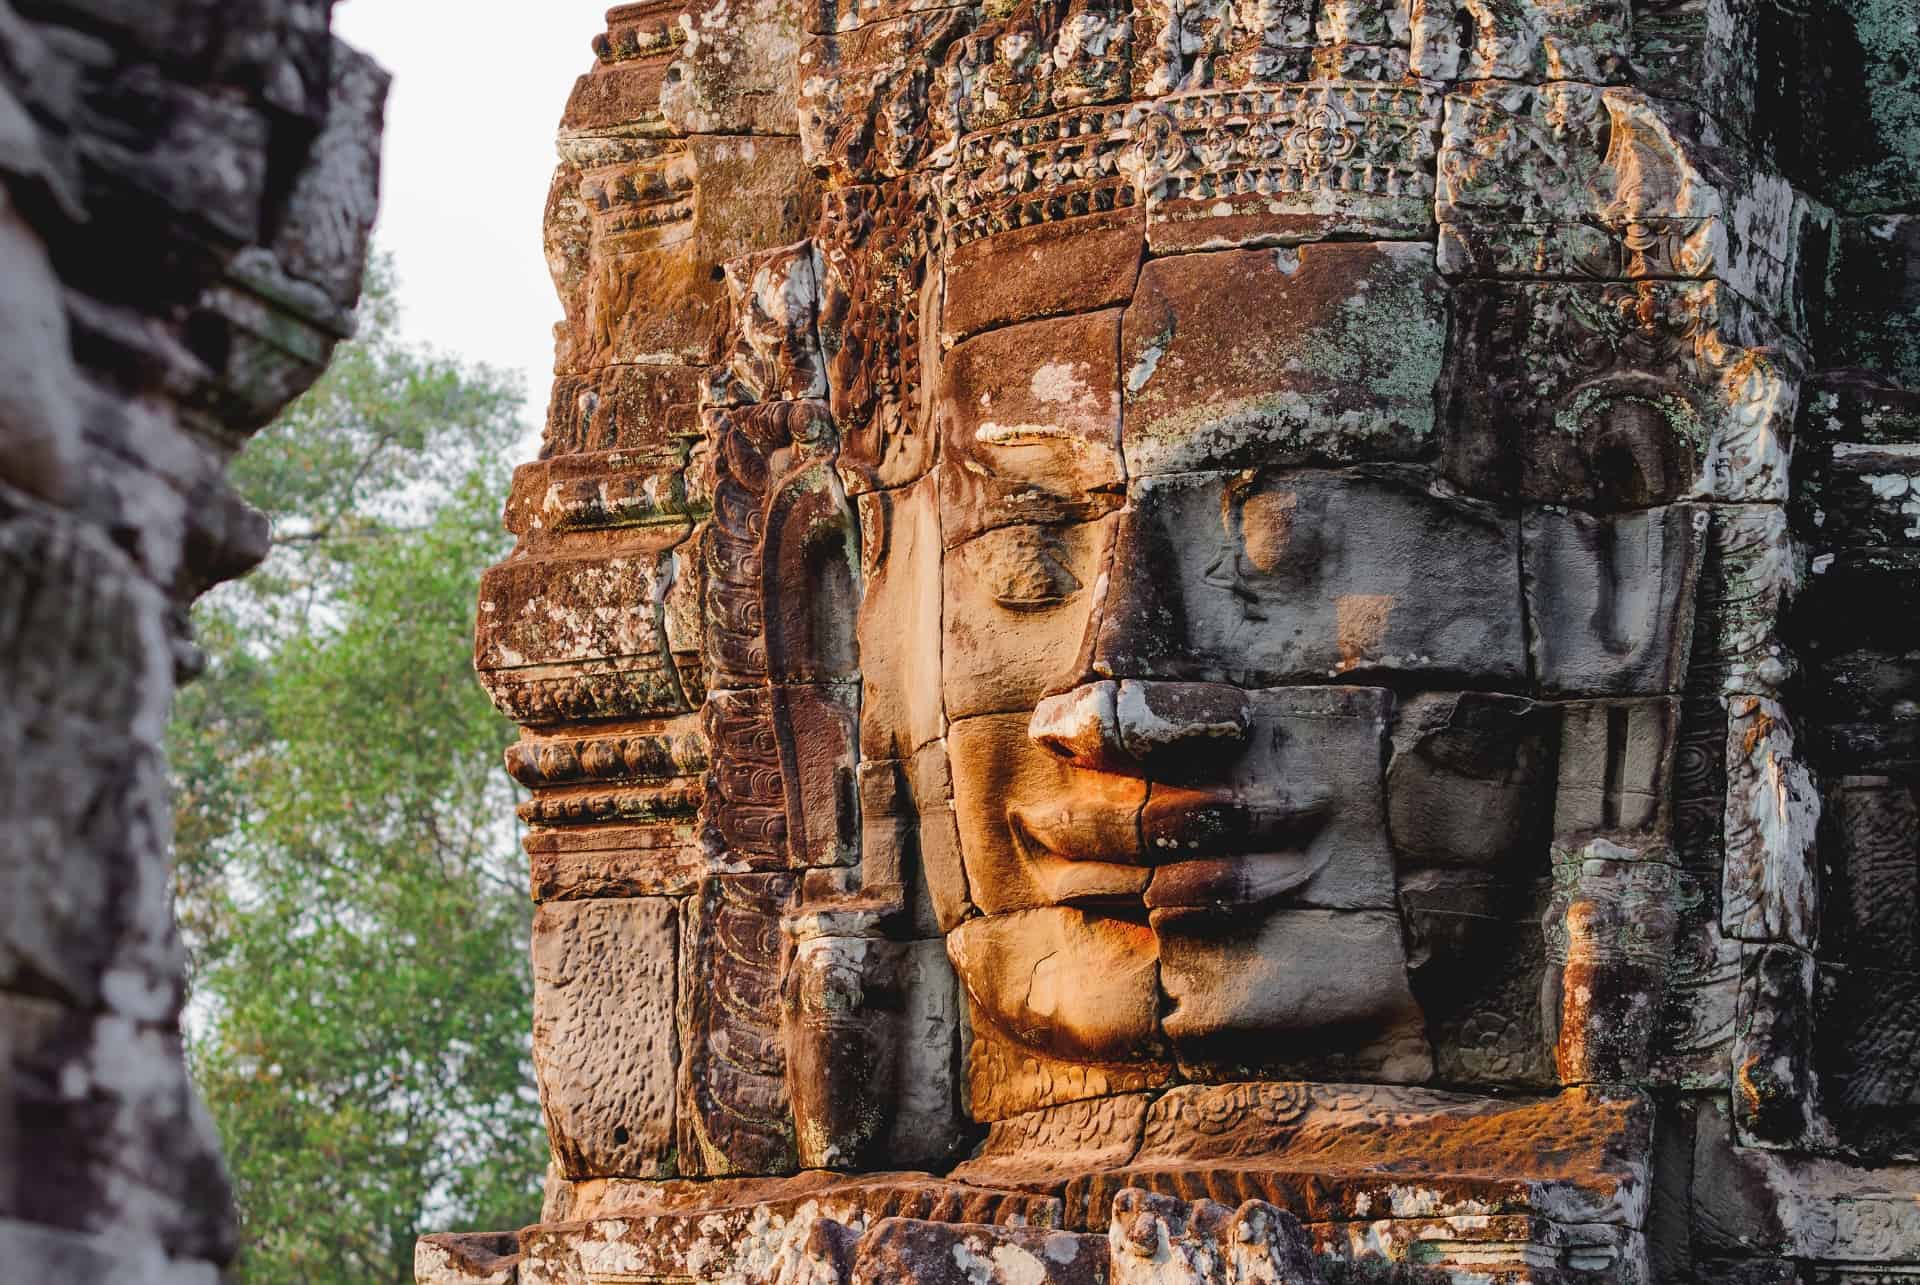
[1226, 641]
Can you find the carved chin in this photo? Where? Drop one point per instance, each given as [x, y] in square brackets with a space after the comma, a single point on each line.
[1304, 985]
[1081, 987]
[1338, 976]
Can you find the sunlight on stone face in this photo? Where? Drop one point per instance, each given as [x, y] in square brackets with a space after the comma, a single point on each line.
[1249, 752]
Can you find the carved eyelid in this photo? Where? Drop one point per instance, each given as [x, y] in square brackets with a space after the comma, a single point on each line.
[1265, 541]
[1012, 603]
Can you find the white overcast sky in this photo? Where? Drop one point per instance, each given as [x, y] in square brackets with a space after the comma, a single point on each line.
[478, 89]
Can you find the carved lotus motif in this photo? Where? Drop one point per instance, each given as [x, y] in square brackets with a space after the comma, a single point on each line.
[1322, 137]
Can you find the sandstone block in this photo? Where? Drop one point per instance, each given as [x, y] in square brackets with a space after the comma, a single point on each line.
[1159, 1240]
[1044, 1149]
[1309, 785]
[1610, 928]
[938, 836]
[1521, 40]
[471, 1259]
[1637, 738]
[900, 622]
[1858, 1011]
[1477, 958]
[1693, 1045]
[1610, 600]
[1468, 779]
[900, 1249]
[1646, 413]
[1240, 356]
[1020, 601]
[1318, 157]
[620, 91]
[996, 764]
[1769, 892]
[1079, 986]
[734, 71]
[733, 1113]
[621, 408]
[1030, 424]
[1042, 271]
[604, 1039]
[1009, 1075]
[1295, 971]
[1560, 181]
[661, 858]
[798, 1232]
[547, 651]
[1749, 1201]
[1582, 1153]
[1312, 575]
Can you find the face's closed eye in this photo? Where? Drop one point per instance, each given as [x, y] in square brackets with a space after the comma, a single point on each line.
[1017, 600]
[1272, 539]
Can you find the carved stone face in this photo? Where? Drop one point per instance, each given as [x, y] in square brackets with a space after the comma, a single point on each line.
[1303, 608]
[1164, 656]
[1250, 707]
[1278, 444]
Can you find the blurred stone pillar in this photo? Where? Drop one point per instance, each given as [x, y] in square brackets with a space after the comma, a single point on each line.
[186, 192]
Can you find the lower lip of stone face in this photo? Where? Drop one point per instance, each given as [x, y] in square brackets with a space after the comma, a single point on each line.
[1225, 883]
[1213, 884]
[1065, 849]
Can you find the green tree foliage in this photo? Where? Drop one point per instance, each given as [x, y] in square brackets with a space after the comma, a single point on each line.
[350, 886]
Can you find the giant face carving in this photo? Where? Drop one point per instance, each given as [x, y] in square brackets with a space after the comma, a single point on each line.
[1304, 607]
[1231, 689]
[1281, 498]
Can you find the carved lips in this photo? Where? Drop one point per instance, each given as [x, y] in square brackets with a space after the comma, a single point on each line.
[1193, 850]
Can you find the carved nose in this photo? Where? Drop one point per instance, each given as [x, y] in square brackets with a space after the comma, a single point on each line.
[1117, 726]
